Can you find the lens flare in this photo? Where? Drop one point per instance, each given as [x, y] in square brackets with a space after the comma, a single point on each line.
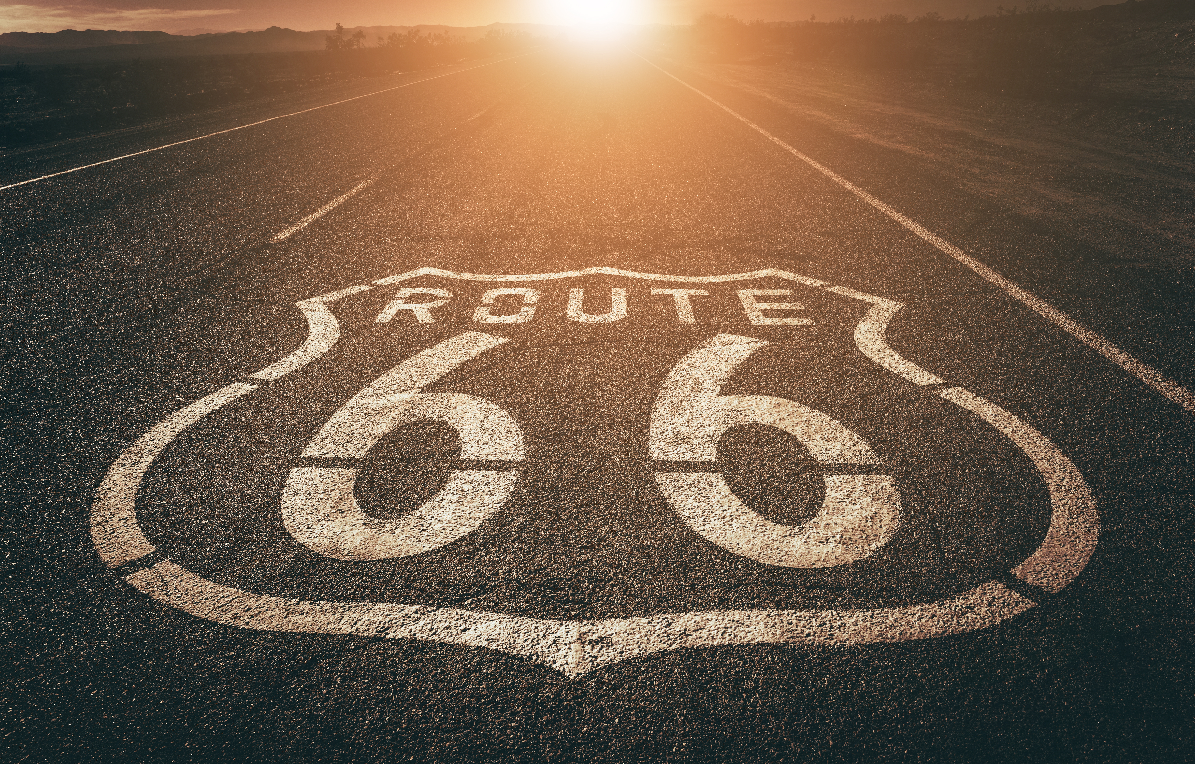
[593, 18]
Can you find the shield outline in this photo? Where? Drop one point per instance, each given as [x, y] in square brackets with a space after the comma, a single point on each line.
[577, 647]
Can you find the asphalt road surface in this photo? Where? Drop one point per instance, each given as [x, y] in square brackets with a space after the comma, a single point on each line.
[580, 407]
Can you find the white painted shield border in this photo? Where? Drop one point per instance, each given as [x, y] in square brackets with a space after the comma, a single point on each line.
[576, 647]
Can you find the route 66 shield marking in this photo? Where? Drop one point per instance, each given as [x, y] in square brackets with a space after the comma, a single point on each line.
[607, 461]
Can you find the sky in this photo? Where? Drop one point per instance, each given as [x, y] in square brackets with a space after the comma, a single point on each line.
[191, 16]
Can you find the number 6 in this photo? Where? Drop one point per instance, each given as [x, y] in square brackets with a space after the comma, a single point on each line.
[319, 508]
[860, 512]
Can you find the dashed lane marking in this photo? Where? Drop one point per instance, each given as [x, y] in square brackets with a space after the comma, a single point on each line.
[576, 647]
[251, 124]
[322, 211]
[1144, 372]
[284, 235]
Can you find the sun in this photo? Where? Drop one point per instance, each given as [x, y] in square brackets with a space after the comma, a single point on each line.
[596, 18]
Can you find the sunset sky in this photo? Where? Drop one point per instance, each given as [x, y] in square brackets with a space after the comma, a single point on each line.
[189, 16]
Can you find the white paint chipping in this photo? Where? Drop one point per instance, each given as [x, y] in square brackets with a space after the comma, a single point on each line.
[617, 312]
[682, 300]
[689, 415]
[485, 315]
[114, 529]
[323, 330]
[392, 399]
[538, 639]
[869, 335]
[251, 124]
[319, 508]
[860, 513]
[601, 271]
[284, 235]
[1074, 523]
[1147, 374]
[422, 311]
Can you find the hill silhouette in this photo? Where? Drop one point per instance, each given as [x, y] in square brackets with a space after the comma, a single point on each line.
[96, 46]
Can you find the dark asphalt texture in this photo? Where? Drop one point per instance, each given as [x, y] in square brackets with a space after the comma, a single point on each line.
[134, 288]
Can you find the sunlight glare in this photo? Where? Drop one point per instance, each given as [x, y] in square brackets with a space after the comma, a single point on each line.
[593, 18]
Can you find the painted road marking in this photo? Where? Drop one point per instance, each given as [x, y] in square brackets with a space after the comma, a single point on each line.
[319, 508]
[323, 331]
[114, 529]
[575, 647]
[485, 312]
[755, 308]
[284, 235]
[859, 515]
[422, 311]
[1074, 528]
[682, 301]
[1144, 372]
[251, 124]
[617, 312]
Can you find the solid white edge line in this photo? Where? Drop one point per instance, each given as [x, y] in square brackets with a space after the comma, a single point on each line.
[253, 124]
[1142, 371]
[321, 212]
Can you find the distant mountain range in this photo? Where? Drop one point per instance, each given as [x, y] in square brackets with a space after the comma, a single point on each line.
[831, 10]
[97, 45]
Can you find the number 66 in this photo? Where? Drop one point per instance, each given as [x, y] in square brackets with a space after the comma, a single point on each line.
[860, 513]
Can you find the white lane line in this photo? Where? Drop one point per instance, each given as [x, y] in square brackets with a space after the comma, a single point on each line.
[252, 124]
[322, 211]
[1142, 371]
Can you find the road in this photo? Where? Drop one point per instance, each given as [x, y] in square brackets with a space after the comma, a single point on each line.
[775, 441]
